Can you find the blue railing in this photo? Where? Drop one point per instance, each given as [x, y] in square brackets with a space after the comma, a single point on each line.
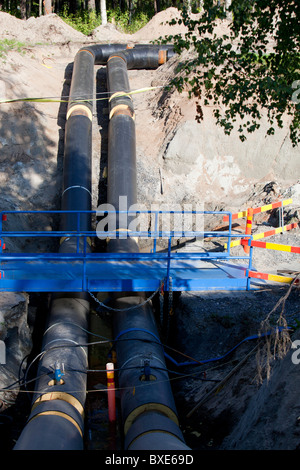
[83, 270]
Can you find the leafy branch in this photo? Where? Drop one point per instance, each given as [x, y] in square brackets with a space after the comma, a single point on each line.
[247, 71]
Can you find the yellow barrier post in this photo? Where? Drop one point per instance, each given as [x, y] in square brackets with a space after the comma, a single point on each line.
[248, 230]
[111, 394]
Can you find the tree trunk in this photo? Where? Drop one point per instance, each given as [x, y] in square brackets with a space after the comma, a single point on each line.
[91, 5]
[48, 7]
[28, 9]
[131, 10]
[103, 12]
[156, 6]
[23, 9]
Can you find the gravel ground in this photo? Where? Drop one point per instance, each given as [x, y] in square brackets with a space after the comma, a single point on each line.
[208, 325]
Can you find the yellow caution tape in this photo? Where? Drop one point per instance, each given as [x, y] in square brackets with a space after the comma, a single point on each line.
[276, 278]
[268, 207]
[53, 100]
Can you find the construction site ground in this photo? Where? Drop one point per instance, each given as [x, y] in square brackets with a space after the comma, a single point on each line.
[249, 398]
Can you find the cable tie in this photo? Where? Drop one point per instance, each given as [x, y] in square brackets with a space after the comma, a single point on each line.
[129, 330]
[77, 187]
[63, 339]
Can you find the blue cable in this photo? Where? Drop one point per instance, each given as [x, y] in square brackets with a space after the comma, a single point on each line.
[192, 363]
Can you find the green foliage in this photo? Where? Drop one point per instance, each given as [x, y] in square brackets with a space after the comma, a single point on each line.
[10, 44]
[126, 22]
[84, 21]
[251, 69]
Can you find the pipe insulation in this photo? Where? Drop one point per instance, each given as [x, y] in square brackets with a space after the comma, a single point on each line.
[148, 409]
[56, 420]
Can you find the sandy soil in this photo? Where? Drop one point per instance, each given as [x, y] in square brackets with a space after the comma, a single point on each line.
[242, 413]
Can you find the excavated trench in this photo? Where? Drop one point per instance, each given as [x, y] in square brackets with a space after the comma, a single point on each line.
[215, 331]
[149, 416]
[203, 326]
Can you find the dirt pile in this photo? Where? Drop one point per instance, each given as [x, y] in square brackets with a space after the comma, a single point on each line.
[159, 26]
[109, 33]
[52, 29]
[45, 29]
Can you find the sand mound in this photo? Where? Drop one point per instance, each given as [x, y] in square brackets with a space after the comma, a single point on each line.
[110, 33]
[158, 26]
[44, 29]
[52, 29]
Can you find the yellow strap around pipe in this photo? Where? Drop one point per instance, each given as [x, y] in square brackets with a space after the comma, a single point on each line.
[60, 396]
[80, 107]
[119, 94]
[122, 109]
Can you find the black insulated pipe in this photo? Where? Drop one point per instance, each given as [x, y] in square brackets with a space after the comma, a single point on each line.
[121, 188]
[146, 57]
[149, 414]
[56, 420]
[77, 172]
[82, 85]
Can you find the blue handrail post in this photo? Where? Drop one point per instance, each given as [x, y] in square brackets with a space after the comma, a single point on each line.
[249, 264]
[78, 230]
[84, 280]
[155, 230]
[230, 233]
[169, 263]
[1, 241]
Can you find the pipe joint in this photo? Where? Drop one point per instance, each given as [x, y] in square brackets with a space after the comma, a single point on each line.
[61, 408]
[152, 422]
[80, 110]
[59, 398]
[120, 55]
[122, 110]
[156, 408]
[53, 424]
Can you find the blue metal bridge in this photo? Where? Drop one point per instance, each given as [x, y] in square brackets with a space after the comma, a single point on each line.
[86, 271]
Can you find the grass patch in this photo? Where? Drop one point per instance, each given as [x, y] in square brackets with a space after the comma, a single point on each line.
[7, 45]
